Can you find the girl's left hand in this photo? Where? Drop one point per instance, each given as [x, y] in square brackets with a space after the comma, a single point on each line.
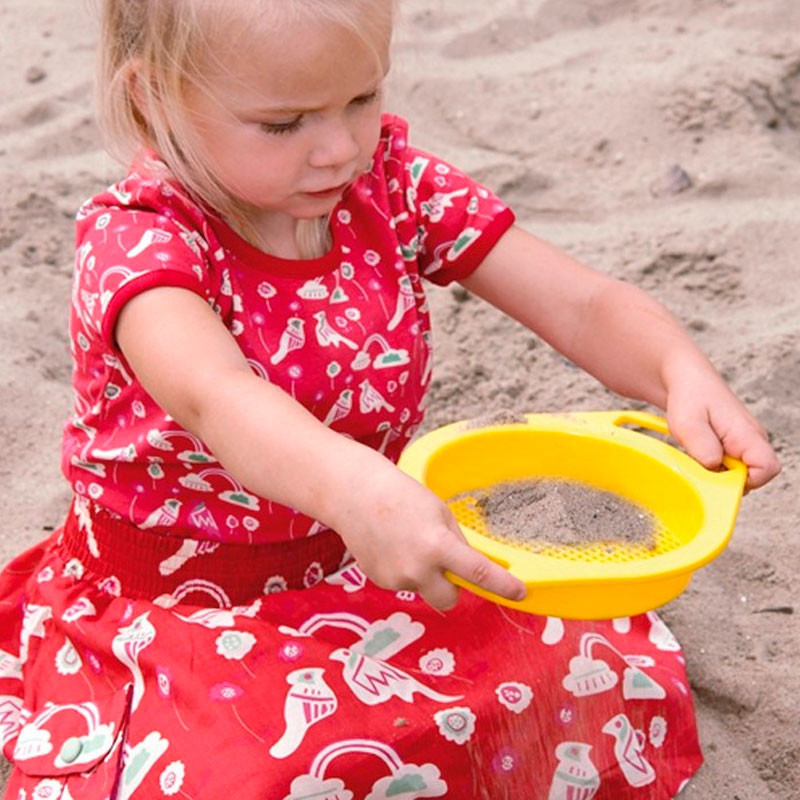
[709, 421]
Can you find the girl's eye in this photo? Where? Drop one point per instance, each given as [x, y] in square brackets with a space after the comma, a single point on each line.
[282, 127]
[366, 99]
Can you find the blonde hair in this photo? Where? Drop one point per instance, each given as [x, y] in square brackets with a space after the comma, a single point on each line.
[167, 42]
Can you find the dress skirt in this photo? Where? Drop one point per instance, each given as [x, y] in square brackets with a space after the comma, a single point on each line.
[139, 665]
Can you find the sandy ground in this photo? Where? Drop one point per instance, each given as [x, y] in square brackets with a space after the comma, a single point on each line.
[577, 112]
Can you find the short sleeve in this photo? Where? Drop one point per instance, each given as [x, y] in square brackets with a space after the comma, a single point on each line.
[448, 222]
[123, 251]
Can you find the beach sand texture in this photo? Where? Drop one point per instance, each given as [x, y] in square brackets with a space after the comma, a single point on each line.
[658, 140]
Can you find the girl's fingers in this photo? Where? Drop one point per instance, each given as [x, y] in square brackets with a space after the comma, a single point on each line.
[439, 593]
[699, 439]
[755, 451]
[476, 568]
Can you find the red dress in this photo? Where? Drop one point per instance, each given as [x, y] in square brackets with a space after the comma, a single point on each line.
[182, 636]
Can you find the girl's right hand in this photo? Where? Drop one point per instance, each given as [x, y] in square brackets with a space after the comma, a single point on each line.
[404, 537]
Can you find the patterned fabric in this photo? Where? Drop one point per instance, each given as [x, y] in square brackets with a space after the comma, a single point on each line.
[341, 691]
[347, 335]
[240, 655]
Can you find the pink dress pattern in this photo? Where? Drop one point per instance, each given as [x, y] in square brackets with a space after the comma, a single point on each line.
[180, 636]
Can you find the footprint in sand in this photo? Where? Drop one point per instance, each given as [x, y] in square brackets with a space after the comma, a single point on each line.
[703, 274]
[511, 33]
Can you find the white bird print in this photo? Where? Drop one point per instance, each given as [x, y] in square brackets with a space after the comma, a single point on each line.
[126, 646]
[405, 302]
[292, 338]
[374, 681]
[628, 746]
[327, 336]
[308, 700]
[149, 237]
[371, 399]
[164, 516]
[341, 408]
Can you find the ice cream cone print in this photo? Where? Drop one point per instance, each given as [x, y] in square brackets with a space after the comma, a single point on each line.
[575, 777]
[164, 516]
[405, 302]
[341, 408]
[308, 701]
[660, 635]
[291, 339]
[149, 237]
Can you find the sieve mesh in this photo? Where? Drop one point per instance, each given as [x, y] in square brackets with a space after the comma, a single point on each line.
[469, 515]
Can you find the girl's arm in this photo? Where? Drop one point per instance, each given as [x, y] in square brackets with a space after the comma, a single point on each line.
[627, 340]
[402, 535]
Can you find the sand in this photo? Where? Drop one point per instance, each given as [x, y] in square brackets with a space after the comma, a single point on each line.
[542, 512]
[577, 113]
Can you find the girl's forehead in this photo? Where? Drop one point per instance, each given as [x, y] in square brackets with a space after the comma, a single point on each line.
[304, 64]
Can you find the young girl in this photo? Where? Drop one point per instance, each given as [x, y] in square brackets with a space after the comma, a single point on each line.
[248, 596]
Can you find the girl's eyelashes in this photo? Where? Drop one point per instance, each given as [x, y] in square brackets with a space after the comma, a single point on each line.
[279, 128]
[366, 99]
[282, 127]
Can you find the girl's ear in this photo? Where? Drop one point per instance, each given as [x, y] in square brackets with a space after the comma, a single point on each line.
[132, 76]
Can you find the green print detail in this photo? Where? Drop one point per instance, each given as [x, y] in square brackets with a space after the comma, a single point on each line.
[380, 640]
[239, 499]
[137, 763]
[408, 783]
[417, 168]
[463, 241]
[409, 251]
[71, 749]
[195, 457]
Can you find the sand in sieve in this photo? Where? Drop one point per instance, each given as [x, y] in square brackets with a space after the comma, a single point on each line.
[501, 417]
[546, 511]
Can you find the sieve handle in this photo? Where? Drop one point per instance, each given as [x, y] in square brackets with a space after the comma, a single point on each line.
[735, 471]
[641, 418]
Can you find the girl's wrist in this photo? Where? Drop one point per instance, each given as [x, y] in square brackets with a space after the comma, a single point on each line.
[353, 472]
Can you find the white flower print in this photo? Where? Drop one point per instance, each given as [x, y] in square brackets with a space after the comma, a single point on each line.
[47, 789]
[68, 662]
[73, 567]
[110, 585]
[372, 258]
[235, 644]
[658, 731]
[313, 574]
[171, 779]
[514, 696]
[405, 595]
[45, 575]
[456, 724]
[80, 608]
[250, 523]
[437, 662]
[274, 584]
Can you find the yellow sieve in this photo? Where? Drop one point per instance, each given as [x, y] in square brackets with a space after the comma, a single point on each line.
[695, 508]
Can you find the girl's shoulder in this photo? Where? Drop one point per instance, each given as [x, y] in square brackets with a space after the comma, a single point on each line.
[147, 197]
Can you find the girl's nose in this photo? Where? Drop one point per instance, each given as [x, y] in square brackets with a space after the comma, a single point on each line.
[337, 146]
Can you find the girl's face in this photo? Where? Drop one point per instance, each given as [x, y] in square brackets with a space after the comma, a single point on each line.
[287, 128]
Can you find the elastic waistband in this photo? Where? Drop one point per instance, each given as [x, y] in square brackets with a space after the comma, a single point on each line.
[137, 563]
